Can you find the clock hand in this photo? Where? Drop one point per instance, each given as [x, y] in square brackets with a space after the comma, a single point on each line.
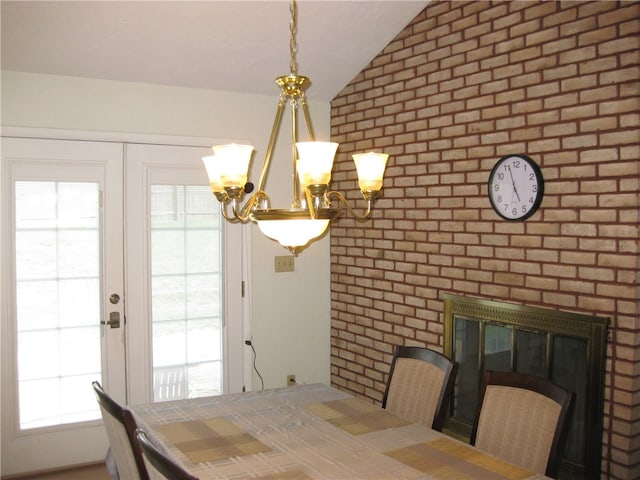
[513, 182]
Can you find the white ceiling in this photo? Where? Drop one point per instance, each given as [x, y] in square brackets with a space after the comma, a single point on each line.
[223, 45]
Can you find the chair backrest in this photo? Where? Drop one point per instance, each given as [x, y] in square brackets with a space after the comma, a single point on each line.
[121, 426]
[419, 385]
[159, 465]
[522, 419]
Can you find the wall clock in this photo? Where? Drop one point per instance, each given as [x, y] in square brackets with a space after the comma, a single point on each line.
[516, 187]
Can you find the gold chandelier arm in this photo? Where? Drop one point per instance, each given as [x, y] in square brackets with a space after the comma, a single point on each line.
[252, 201]
[235, 216]
[224, 199]
[272, 140]
[307, 117]
[343, 202]
[225, 215]
[294, 153]
[243, 213]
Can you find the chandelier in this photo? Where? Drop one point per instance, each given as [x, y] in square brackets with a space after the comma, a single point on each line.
[313, 205]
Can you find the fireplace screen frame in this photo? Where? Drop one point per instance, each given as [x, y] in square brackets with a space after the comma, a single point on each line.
[554, 327]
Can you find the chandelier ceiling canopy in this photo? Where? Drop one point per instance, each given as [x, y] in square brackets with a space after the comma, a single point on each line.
[313, 205]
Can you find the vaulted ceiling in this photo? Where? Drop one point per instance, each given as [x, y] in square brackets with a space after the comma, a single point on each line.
[223, 45]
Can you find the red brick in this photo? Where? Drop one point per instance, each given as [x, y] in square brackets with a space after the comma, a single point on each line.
[464, 84]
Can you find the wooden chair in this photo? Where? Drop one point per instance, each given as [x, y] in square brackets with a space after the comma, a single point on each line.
[121, 426]
[522, 419]
[159, 465]
[419, 385]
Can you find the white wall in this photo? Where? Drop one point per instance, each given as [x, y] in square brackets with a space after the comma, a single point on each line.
[290, 312]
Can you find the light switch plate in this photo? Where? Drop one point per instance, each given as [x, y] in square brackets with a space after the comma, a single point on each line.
[284, 263]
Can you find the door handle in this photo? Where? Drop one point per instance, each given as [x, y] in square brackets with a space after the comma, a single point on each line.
[114, 320]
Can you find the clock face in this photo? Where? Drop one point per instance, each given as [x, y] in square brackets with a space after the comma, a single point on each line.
[516, 187]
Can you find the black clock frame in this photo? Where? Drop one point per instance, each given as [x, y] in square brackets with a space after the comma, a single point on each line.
[539, 194]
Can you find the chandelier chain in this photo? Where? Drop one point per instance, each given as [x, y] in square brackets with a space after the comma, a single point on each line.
[293, 46]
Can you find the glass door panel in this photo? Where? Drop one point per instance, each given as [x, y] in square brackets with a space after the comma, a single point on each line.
[497, 347]
[569, 370]
[186, 280]
[531, 353]
[58, 298]
[467, 342]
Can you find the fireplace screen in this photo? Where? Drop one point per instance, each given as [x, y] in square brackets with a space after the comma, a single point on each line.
[567, 348]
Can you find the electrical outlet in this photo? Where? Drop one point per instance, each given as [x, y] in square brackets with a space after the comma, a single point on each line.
[291, 380]
[284, 263]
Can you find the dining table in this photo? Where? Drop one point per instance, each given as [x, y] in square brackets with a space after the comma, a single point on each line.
[311, 431]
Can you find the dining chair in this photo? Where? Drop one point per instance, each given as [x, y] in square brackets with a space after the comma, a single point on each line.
[121, 426]
[419, 385]
[159, 465]
[522, 419]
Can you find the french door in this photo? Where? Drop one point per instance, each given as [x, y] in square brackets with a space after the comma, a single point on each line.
[114, 269]
[183, 279]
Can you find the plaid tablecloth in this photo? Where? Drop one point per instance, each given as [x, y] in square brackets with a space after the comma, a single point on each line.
[309, 432]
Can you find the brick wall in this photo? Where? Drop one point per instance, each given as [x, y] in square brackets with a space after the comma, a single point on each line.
[464, 84]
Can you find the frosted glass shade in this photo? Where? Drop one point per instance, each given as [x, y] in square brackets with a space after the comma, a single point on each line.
[213, 168]
[370, 167]
[315, 161]
[234, 163]
[293, 233]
